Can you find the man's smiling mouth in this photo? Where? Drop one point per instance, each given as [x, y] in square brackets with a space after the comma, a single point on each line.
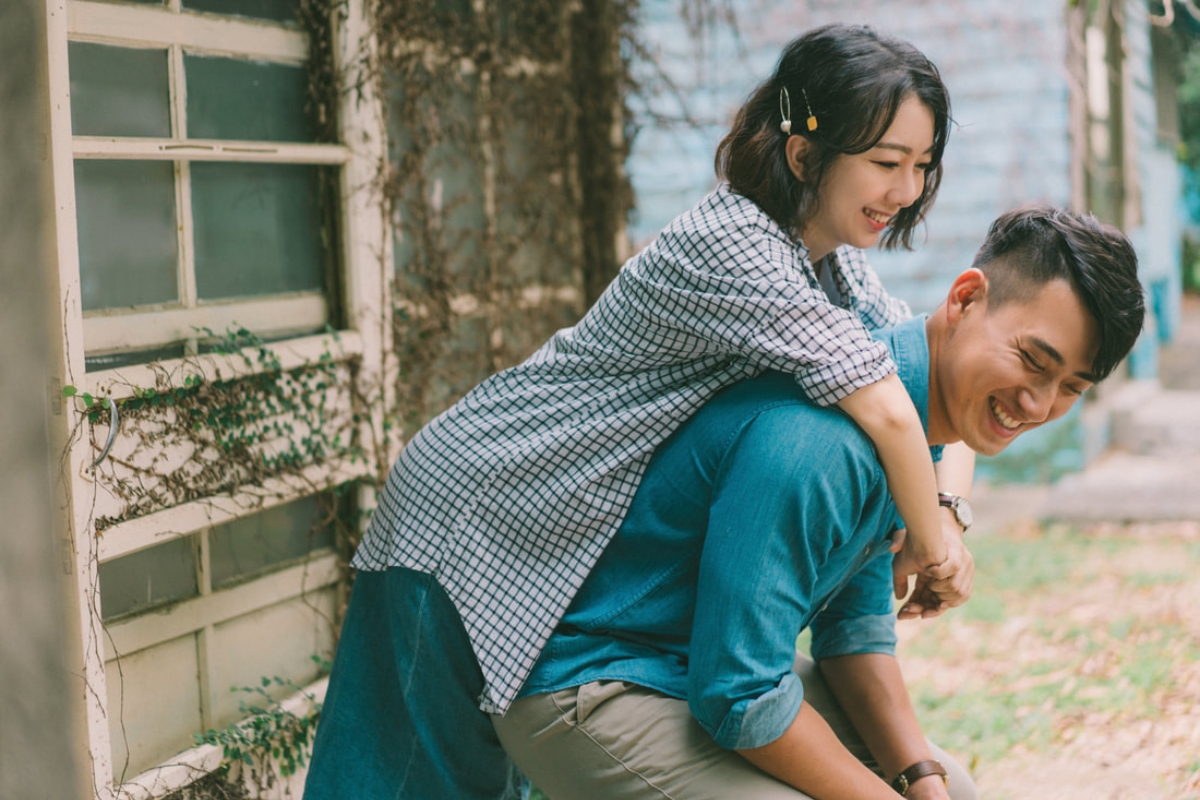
[1006, 422]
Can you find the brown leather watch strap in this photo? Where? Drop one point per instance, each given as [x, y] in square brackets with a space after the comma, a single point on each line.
[917, 771]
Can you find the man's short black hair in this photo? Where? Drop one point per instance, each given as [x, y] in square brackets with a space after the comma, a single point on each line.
[1030, 246]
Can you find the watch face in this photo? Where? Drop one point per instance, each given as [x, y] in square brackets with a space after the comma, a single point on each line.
[960, 507]
[962, 510]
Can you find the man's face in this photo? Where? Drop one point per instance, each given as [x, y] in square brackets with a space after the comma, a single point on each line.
[1008, 370]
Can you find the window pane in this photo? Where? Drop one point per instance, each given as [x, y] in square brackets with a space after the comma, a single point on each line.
[257, 229]
[276, 10]
[232, 99]
[148, 578]
[118, 91]
[124, 358]
[252, 544]
[127, 240]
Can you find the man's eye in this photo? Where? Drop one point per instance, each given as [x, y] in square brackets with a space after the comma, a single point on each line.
[1030, 362]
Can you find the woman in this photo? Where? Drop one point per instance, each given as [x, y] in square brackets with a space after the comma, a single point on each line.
[503, 503]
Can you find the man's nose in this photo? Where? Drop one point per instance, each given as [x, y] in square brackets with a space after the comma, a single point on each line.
[1037, 400]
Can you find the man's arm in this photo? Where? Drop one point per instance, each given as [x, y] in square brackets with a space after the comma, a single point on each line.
[871, 691]
[811, 758]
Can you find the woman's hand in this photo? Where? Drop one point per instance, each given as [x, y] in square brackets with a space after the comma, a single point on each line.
[931, 596]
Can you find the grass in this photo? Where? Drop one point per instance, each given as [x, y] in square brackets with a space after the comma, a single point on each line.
[1073, 641]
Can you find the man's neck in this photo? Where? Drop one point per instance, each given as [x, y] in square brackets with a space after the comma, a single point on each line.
[939, 430]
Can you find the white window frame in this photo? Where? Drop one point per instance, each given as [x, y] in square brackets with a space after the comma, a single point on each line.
[174, 31]
[367, 264]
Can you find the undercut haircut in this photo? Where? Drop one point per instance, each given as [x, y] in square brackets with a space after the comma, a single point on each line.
[1032, 245]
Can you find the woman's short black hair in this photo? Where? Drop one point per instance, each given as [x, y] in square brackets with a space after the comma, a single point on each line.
[855, 79]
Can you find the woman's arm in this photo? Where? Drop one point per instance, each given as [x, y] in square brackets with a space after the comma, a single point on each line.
[887, 414]
[955, 475]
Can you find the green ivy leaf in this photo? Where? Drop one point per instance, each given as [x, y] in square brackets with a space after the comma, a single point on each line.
[69, 391]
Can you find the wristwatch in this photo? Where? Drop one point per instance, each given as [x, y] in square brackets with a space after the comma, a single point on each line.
[961, 508]
[919, 770]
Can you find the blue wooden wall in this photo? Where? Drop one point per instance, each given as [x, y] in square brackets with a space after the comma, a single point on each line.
[1004, 62]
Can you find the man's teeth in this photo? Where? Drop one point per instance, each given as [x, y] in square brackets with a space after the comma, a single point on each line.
[1004, 419]
[882, 219]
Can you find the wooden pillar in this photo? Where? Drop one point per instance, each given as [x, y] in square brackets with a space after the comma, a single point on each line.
[38, 735]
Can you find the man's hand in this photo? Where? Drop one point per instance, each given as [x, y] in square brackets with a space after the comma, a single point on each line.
[949, 586]
[931, 787]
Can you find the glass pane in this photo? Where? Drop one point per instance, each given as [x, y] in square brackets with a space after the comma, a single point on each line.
[257, 229]
[275, 10]
[118, 91]
[252, 544]
[232, 99]
[124, 358]
[148, 578]
[127, 239]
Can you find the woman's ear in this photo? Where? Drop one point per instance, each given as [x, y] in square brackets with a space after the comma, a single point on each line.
[796, 149]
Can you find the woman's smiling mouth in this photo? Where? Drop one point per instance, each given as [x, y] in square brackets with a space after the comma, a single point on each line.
[878, 220]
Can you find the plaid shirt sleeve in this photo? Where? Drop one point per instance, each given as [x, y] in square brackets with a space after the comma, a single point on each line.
[734, 281]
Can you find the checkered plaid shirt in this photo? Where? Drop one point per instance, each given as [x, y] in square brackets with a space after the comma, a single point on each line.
[510, 496]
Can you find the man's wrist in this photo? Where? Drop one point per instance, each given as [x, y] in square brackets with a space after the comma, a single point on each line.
[959, 506]
[919, 771]
[928, 789]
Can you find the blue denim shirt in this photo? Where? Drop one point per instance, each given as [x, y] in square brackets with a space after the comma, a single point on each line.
[761, 516]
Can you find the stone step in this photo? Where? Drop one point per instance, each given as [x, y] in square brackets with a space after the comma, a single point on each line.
[1127, 487]
[1149, 420]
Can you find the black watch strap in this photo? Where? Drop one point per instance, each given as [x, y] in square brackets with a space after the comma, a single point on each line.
[921, 769]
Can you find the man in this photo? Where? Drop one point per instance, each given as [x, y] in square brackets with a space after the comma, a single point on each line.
[673, 672]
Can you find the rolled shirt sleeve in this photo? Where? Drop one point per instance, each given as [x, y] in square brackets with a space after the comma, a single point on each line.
[859, 618]
[790, 520]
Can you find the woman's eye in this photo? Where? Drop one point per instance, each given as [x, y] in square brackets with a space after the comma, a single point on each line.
[887, 164]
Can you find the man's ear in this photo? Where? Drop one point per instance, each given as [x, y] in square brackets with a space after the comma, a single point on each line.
[968, 294]
[796, 149]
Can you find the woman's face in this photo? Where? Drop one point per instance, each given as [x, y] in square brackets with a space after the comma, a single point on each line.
[862, 193]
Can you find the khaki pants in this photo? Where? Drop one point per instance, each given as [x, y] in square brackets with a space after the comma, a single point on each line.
[611, 739]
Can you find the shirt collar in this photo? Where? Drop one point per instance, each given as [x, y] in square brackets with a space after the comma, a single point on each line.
[909, 346]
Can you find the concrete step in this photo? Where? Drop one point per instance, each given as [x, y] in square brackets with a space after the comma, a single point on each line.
[1147, 419]
[1117, 487]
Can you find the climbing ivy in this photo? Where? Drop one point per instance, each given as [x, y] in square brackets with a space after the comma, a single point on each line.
[272, 742]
